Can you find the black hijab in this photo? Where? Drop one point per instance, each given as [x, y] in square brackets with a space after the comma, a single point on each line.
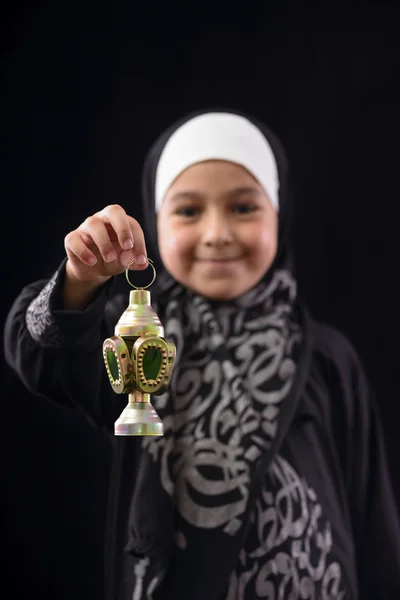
[228, 340]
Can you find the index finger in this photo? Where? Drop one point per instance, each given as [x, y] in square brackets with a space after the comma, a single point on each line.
[128, 231]
[119, 221]
[139, 250]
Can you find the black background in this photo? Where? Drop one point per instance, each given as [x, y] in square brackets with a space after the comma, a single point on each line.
[85, 91]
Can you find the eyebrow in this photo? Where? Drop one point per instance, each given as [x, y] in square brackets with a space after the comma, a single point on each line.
[235, 192]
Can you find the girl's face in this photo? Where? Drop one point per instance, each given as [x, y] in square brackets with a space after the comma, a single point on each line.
[217, 230]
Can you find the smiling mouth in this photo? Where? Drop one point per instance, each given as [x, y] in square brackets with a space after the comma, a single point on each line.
[220, 260]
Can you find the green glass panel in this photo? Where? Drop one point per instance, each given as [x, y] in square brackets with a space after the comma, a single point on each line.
[151, 364]
[112, 364]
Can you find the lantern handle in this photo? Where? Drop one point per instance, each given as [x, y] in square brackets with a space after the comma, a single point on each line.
[151, 282]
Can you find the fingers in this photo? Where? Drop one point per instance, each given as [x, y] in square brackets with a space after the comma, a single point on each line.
[76, 248]
[119, 221]
[110, 235]
[140, 251]
[97, 231]
[128, 232]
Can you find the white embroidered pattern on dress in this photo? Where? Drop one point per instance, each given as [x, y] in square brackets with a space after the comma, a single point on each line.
[39, 320]
[288, 550]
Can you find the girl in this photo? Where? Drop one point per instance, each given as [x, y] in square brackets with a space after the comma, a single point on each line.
[271, 479]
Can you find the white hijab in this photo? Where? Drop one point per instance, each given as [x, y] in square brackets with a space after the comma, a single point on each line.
[218, 136]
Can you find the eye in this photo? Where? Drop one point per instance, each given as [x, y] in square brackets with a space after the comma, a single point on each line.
[244, 208]
[187, 211]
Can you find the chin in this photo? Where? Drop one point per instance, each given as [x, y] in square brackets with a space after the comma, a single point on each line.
[220, 293]
[227, 290]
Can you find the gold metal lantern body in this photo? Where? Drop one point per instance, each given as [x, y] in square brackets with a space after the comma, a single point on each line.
[139, 362]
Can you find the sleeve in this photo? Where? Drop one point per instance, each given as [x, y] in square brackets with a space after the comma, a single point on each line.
[57, 353]
[373, 508]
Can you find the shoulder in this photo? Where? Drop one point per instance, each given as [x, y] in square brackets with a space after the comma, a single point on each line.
[337, 372]
[330, 344]
[335, 363]
[337, 393]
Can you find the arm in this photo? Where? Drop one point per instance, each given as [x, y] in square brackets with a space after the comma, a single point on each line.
[57, 353]
[359, 442]
[372, 504]
[55, 330]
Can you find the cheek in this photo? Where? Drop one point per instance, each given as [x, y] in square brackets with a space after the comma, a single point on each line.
[262, 240]
[269, 240]
[175, 245]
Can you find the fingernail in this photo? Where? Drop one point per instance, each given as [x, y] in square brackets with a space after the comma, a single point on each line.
[92, 260]
[141, 260]
[110, 256]
[128, 244]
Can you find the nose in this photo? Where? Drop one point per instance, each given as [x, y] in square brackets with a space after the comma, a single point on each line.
[217, 231]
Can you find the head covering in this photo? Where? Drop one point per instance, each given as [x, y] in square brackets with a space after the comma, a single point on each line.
[151, 168]
[217, 136]
[233, 393]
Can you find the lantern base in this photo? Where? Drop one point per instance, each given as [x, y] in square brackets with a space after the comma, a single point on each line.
[138, 418]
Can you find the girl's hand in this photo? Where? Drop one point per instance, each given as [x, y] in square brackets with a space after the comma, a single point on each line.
[102, 246]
